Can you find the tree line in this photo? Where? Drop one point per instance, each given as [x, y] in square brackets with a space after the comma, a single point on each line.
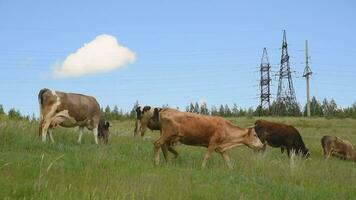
[325, 108]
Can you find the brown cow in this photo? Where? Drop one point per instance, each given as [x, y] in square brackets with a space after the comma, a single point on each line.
[148, 118]
[70, 110]
[215, 133]
[280, 135]
[335, 146]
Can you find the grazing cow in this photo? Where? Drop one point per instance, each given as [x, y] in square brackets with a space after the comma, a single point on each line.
[215, 133]
[148, 118]
[70, 110]
[335, 146]
[145, 119]
[280, 135]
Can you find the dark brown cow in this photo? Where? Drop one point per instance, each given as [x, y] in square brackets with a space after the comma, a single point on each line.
[215, 133]
[280, 135]
[335, 146]
[148, 118]
[70, 110]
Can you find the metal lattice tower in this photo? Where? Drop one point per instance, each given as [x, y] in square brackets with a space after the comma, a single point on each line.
[265, 82]
[285, 96]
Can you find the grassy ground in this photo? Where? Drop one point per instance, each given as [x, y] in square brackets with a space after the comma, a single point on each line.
[124, 169]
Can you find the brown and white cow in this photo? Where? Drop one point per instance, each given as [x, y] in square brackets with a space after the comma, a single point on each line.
[280, 135]
[215, 133]
[70, 110]
[335, 146]
[145, 119]
[148, 117]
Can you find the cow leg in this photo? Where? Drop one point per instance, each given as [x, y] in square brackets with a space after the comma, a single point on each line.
[44, 129]
[282, 150]
[95, 132]
[325, 153]
[143, 132]
[137, 128]
[80, 135]
[157, 145]
[173, 151]
[226, 159]
[40, 127]
[207, 155]
[50, 135]
[165, 153]
[328, 154]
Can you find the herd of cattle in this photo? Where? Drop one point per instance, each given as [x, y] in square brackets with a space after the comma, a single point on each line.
[176, 127]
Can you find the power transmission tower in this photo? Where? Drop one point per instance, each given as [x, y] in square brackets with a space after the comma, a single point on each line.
[307, 72]
[265, 83]
[286, 99]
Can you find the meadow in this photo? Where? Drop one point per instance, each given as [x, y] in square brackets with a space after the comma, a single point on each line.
[123, 169]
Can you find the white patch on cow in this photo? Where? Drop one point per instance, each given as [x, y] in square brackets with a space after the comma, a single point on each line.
[80, 135]
[95, 132]
[47, 119]
[54, 93]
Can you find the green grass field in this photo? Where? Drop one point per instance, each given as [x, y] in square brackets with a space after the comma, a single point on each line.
[124, 169]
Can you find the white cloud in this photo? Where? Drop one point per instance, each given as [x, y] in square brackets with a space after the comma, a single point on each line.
[102, 54]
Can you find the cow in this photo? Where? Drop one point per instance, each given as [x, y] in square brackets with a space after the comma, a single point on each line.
[281, 135]
[335, 146]
[215, 133]
[70, 110]
[148, 118]
[145, 119]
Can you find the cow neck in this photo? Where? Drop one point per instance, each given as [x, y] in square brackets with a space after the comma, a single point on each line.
[236, 133]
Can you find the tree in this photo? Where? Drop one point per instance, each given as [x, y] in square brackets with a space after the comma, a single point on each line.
[235, 110]
[14, 114]
[329, 108]
[132, 113]
[107, 112]
[227, 111]
[204, 109]
[2, 112]
[191, 107]
[115, 113]
[222, 111]
[214, 110]
[196, 108]
[315, 108]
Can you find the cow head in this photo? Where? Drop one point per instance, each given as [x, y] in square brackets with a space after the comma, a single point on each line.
[252, 140]
[138, 113]
[103, 130]
[145, 109]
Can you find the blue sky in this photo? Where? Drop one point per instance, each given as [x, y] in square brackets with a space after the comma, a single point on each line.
[185, 50]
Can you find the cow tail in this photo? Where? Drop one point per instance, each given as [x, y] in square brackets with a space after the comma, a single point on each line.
[40, 99]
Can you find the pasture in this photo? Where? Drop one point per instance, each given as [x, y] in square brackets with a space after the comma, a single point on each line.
[124, 169]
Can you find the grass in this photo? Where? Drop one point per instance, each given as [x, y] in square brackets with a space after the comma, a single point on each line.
[124, 169]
